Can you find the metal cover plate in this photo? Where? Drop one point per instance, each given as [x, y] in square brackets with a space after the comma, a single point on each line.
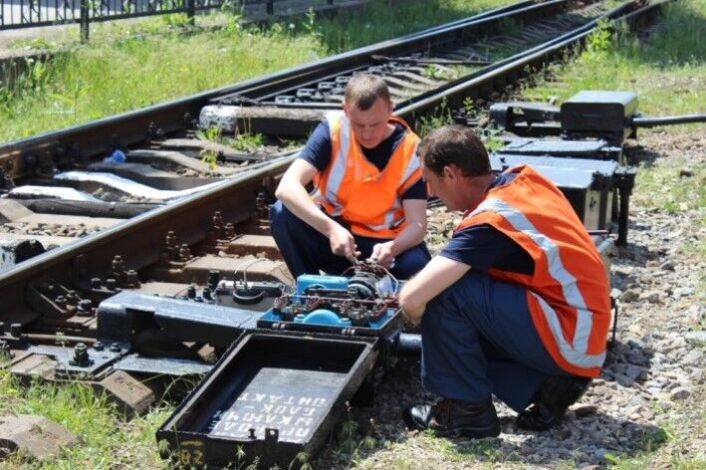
[272, 395]
[573, 173]
[555, 147]
[271, 401]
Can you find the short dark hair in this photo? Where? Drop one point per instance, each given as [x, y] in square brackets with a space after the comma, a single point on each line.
[456, 145]
[364, 89]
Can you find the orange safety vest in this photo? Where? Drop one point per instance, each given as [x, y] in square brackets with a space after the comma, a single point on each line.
[356, 190]
[568, 293]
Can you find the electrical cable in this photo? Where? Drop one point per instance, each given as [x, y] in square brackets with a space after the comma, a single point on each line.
[667, 120]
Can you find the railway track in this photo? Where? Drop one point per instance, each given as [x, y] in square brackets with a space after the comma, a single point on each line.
[133, 177]
[140, 214]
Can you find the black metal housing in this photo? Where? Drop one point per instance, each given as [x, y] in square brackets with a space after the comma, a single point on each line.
[274, 396]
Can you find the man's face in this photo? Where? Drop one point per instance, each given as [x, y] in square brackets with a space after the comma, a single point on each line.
[370, 126]
[442, 186]
[457, 191]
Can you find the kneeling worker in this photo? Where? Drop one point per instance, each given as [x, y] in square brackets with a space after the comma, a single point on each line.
[516, 305]
[369, 197]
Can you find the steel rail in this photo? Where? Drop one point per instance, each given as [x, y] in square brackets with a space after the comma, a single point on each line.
[126, 129]
[137, 239]
[472, 85]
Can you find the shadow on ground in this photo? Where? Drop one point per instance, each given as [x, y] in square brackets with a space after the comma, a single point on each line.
[376, 437]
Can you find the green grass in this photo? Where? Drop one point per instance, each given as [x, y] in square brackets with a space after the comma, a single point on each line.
[106, 441]
[114, 73]
[664, 188]
[668, 73]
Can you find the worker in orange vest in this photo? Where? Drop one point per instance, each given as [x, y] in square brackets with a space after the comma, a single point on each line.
[516, 305]
[369, 199]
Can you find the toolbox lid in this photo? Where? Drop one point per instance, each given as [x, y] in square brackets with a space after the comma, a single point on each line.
[272, 395]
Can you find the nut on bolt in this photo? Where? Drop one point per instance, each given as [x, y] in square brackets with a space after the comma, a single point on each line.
[16, 330]
[81, 358]
[132, 280]
[85, 307]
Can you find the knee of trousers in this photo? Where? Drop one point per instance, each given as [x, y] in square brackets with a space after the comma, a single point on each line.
[410, 262]
[436, 314]
[277, 215]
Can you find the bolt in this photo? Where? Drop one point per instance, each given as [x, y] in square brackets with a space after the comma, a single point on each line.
[81, 355]
[214, 277]
[229, 230]
[261, 204]
[118, 267]
[60, 301]
[132, 279]
[184, 252]
[95, 283]
[16, 330]
[117, 263]
[191, 291]
[115, 347]
[84, 307]
[71, 297]
[206, 294]
[98, 346]
[111, 283]
[217, 220]
[170, 240]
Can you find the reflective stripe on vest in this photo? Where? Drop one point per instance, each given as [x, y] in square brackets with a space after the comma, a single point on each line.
[574, 353]
[337, 123]
[383, 222]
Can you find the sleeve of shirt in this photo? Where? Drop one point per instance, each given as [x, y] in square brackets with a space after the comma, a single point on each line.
[480, 247]
[417, 191]
[317, 150]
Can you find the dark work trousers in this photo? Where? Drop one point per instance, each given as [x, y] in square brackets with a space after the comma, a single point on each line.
[478, 338]
[306, 251]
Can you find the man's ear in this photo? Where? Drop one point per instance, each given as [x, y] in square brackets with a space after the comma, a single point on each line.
[345, 108]
[450, 171]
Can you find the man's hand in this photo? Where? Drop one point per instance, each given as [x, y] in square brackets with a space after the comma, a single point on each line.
[342, 242]
[383, 254]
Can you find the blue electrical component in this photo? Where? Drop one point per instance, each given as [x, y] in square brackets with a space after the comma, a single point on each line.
[363, 303]
[309, 281]
[322, 317]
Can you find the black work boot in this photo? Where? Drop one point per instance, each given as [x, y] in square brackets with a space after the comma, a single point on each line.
[551, 402]
[455, 418]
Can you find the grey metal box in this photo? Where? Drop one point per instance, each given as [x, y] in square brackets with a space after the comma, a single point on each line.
[599, 114]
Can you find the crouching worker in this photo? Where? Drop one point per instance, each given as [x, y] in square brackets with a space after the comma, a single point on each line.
[516, 305]
[369, 197]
